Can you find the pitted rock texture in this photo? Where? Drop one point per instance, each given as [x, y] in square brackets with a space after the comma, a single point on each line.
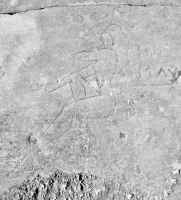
[92, 89]
[72, 186]
[84, 186]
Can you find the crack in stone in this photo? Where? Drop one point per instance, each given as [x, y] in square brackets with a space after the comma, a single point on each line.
[149, 5]
[88, 5]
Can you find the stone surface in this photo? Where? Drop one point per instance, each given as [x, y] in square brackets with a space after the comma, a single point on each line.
[94, 90]
[67, 186]
[13, 6]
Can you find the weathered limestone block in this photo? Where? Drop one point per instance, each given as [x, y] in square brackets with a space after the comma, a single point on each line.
[92, 89]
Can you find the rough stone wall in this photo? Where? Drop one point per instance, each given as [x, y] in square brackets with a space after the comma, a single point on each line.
[90, 87]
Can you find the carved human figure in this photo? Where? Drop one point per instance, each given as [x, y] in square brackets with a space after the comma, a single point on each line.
[110, 58]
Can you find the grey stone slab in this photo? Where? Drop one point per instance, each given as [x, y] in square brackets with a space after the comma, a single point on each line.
[92, 89]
